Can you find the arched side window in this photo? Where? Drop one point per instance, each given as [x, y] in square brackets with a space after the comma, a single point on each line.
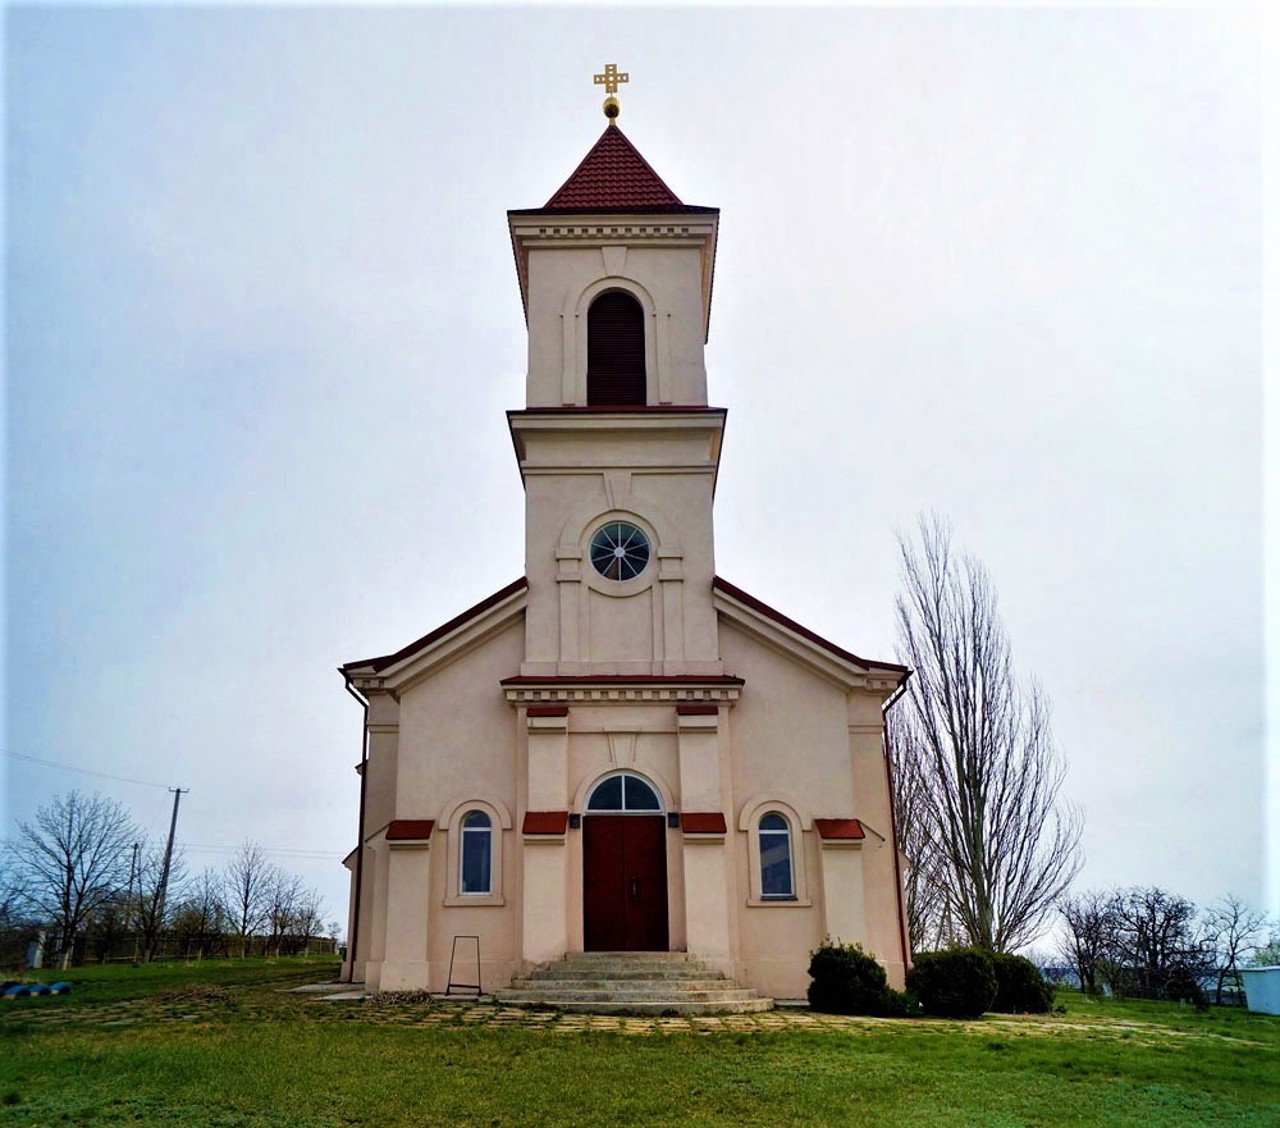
[476, 875]
[615, 351]
[777, 878]
[776, 826]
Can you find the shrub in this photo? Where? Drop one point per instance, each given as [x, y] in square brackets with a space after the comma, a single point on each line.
[955, 983]
[901, 1004]
[846, 980]
[1020, 988]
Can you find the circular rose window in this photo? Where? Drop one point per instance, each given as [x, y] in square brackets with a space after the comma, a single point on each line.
[619, 551]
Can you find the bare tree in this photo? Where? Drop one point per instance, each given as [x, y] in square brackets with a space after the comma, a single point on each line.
[200, 917]
[150, 911]
[1090, 939]
[16, 925]
[991, 826]
[1235, 930]
[73, 857]
[929, 925]
[282, 903]
[1158, 950]
[13, 891]
[294, 914]
[308, 918]
[107, 926]
[248, 880]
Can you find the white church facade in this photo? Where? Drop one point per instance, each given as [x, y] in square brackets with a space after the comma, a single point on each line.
[621, 751]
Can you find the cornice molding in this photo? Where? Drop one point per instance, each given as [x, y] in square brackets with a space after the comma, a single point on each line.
[543, 230]
[621, 690]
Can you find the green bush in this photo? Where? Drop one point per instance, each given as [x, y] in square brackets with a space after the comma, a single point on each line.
[846, 980]
[955, 983]
[1020, 988]
[901, 1004]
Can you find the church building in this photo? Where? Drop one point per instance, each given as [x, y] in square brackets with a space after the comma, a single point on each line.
[620, 750]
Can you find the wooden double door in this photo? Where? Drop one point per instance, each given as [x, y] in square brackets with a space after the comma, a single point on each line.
[624, 893]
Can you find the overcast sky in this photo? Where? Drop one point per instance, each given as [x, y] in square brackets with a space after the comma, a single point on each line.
[263, 323]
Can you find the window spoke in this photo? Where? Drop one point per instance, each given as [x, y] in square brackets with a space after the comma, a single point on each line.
[619, 550]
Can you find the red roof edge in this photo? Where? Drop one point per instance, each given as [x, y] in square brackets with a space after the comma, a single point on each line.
[839, 829]
[624, 679]
[703, 822]
[791, 625]
[545, 822]
[400, 829]
[634, 209]
[453, 624]
[620, 409]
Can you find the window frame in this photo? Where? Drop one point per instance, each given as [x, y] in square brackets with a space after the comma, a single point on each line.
[799, 826]
[576, 309]
[623, 774]
[452, 821]
[602, 531]
[638, 330]
[783, 832]
[469, 833]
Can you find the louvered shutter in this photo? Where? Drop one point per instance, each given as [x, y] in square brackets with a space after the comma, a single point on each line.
[615, 351]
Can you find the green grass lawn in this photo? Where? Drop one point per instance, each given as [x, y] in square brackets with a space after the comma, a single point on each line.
[218, 1044]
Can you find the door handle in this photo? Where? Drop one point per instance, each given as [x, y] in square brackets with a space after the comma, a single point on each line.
[635, 888]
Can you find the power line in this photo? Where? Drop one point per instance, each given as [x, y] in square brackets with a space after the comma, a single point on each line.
[82, 771]
[210, 848]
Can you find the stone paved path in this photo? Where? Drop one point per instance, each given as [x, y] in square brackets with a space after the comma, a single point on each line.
[441, 1011]
[210, 1005]
[459, 1012]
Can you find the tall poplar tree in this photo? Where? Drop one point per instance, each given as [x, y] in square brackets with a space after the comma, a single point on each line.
[991, 844]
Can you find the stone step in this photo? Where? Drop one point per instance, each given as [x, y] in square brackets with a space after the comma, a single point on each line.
[665, 1008]
[672, 960]
[615, 993]
[641, 983]
[561, 974]
[703, 982]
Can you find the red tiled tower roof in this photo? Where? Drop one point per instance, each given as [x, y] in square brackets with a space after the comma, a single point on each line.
[613, 176]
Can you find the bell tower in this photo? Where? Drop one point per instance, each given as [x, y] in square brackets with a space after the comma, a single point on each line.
[617, 446]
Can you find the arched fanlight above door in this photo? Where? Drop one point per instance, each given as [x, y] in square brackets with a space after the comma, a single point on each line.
[624, 793]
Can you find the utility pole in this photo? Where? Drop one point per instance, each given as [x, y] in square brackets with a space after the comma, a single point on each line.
[128, 902]
[178, 793]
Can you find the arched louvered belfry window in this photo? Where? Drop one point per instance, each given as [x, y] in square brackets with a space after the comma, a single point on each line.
[615, 351]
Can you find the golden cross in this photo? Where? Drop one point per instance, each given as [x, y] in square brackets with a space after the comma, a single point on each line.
[610, 79]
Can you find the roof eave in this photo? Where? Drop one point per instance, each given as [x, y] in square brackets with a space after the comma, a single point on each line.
[779, 629]
[392, 667]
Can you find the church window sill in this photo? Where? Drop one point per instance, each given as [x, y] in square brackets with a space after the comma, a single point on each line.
[475, 900]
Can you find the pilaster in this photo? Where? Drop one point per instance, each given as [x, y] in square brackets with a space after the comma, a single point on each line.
[405, 966]
[844, 910]
[706, 859]
[543, 832]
